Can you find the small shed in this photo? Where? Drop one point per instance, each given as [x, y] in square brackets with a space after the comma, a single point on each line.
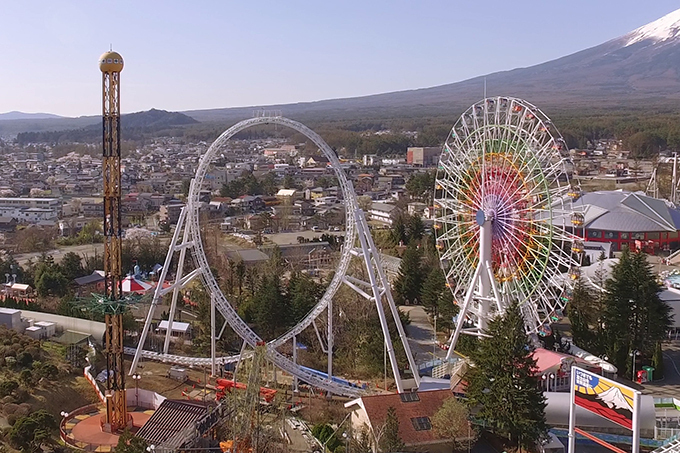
[11, 318]
[179, 329]
[35, 332]
[50, 328]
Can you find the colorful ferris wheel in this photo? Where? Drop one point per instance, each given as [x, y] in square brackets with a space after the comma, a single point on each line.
[501, 223]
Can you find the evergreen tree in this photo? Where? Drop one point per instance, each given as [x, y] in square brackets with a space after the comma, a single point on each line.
[503, 386]
[129, 443]
[390, 442]
[437, 299]
[409, 281]
[584, 318]
[634, 315]
[71, 266]
[415, 228]
[303, 293]
[398, 230]
[657, 362]
[270, 307]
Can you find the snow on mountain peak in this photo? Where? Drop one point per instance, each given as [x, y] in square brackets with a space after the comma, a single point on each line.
[664, 29]
[614, 399]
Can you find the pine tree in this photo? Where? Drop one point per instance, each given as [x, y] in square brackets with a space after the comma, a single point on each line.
[634, 315]
[583, 317]
[390, 442]
[503, 387]
[437, 298]
[409, 281]
[415, 228]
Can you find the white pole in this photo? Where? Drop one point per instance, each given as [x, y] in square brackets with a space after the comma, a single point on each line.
[329, 338]
[213, 348]
[674, 189]
[295, 379]
[572, 412]
[636, 422]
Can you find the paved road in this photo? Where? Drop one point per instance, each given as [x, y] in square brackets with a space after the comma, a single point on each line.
[421, 334]
[669, 386]
[57, 254]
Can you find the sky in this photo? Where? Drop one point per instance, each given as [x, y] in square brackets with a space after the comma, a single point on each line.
[186, 55]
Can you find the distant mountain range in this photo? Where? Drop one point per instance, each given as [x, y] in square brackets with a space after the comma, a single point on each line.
[134, 125]
[26, 116]
[640, 70]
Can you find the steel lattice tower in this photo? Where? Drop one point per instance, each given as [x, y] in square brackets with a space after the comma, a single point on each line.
[111, 64]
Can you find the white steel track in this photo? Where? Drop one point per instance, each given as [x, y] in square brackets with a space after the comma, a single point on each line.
[358, 242]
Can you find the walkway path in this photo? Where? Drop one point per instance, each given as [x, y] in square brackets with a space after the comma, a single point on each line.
[669, 386]
[421, 335]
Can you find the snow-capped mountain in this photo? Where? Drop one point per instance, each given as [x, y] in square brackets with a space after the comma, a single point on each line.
[639, 69]
[614, 399]
[665, 29]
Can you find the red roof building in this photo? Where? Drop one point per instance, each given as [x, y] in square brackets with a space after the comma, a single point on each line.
[415, 412]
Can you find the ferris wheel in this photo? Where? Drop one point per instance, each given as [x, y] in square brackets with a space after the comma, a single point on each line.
[501, 222]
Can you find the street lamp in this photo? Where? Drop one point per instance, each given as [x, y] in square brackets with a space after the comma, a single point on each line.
[604, 357]
[136, 377]
[634, 353]
[151, 448]
[545, 382]
[552, 376]
[64, 414]
[346, 438]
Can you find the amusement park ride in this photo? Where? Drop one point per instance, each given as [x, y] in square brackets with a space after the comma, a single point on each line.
[113, 303]
[500, 183]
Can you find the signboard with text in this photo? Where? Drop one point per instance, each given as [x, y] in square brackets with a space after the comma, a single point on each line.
[604, 397]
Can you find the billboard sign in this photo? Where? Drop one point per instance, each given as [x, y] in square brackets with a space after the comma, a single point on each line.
[604, 397]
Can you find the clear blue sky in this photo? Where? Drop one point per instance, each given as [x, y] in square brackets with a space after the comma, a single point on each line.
[182, 55]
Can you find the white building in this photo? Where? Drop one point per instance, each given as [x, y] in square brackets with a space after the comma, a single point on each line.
[11, 318]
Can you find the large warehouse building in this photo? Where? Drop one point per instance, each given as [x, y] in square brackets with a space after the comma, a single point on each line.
[625, 218]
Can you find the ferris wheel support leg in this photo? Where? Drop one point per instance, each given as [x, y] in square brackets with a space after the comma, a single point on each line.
[463, 311]
[377, 296]
[178, 277]
[157, 292]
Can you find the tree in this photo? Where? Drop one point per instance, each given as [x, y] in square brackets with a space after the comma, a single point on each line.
[415, 228]
[270, 307]
[635, 316]
[409, 280]
[657, 362]
[398, 230]
[365, 203]
[389, 439]
[420, 186]
[31, 432]
[503, 387]
[451, 421]
[71, 266]
[51, 282]
[584, 318]
[129, 443]
[7, 387]
[437, 299]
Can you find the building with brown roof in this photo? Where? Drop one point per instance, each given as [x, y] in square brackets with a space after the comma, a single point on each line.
[415, 412]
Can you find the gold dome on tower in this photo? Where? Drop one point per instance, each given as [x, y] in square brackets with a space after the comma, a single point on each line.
[111, 62]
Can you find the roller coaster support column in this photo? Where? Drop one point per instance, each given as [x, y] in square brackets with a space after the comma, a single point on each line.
[213, 348]
[329, 337]
[295, 379]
